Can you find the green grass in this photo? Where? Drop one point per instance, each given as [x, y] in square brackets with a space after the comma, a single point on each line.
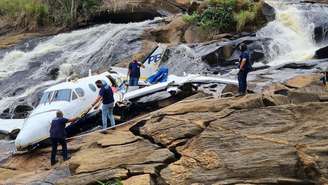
[227, 15]
[52, 12]
[114, 182]
[18, 8]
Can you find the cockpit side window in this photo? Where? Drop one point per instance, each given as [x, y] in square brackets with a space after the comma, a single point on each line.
[46, 97]
[80, 92]
[62, 95]
[92, 87]
[74, 96]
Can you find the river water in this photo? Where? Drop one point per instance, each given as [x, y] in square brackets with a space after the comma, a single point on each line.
[292, 32]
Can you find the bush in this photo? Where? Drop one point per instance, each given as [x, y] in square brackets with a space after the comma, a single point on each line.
[219, 15]
[31, 8]
[247, 14]
[52, 12]
[114, 182]
[226, 15]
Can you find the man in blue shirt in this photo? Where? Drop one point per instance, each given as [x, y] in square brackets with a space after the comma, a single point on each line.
[245, 67]
[58, 136]
[107, 97]
[134, 72]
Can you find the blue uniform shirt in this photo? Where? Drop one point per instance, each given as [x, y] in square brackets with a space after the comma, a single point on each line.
[245, 55]
[57, 129]
[107, 94]
[134, 68]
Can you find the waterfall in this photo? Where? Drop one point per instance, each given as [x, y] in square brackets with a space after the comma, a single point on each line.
[24, 73]
[292, 32]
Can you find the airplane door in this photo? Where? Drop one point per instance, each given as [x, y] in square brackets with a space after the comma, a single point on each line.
[77, 102]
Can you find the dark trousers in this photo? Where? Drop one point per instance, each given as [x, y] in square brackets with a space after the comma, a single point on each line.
[242, 80]
[324, 80]
[54, 144]
[133, 81]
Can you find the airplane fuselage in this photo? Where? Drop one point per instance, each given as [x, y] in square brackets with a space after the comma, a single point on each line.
[72, 98]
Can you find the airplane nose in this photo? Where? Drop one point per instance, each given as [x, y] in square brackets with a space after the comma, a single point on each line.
[35, 129]
[20, 144]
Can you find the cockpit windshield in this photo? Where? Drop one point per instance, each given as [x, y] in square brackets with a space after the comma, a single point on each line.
[62, 95]
[46, 97]
[59, 95]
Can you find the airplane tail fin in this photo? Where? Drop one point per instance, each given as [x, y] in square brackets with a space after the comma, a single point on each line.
[153, 60]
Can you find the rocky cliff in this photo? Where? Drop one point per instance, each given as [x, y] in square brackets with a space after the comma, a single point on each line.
[257, 139]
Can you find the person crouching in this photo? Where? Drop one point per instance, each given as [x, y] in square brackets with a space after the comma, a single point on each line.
[58, 136]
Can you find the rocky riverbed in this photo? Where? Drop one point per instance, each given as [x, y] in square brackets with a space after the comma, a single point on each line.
[265, 138]
[274, 135]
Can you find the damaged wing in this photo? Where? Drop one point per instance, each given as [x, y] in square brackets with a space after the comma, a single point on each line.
[7, 126]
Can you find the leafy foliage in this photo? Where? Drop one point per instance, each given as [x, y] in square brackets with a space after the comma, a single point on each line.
[115, 182]
[28, 8]
[226, 15]
[52, 12]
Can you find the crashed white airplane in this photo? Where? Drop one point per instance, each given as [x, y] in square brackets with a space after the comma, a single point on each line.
[74, 97]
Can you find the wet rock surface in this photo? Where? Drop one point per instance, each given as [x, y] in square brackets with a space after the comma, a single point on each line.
[263, 138]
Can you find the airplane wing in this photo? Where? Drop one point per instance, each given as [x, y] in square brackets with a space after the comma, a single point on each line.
[7, 126]
[200, 79]
[146, 90]
[119, 70]
[176, 81]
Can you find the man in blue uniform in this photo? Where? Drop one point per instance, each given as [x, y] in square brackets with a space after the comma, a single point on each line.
[107, 97]
[134, 72]
[58, 136]
[245, 67]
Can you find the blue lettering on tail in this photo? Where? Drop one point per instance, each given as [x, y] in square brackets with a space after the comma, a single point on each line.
[154, 58]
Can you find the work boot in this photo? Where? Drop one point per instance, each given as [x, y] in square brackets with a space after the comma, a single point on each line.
[240, 94]
[104, 132]
[54, 162]
[68, 158]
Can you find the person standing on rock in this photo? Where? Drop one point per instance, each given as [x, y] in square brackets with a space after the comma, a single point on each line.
[58, 136]
[106, 95]
[244, 68]
[134, 72]
[324, 78]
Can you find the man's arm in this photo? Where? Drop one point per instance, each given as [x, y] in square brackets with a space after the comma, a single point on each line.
[141, 65]
[98, 99]
[72, 120]
[129, 72]
[129, 69]
[242, 64]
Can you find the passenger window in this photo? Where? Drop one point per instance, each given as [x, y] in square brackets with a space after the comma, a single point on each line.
[62, 95]
[74, 96]
[92, 87]
[80, 92]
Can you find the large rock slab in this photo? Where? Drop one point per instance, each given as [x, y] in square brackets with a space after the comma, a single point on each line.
[140, 152]
[139, 180]
[254, 146]
[302, 81]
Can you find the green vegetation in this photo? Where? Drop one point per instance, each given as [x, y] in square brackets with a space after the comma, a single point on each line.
[27, 8]
[48, 12]
[114, 182]
[228, 15]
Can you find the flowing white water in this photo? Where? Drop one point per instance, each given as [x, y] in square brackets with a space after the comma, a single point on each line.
[292, 32]
[23, 74]
[77, 47]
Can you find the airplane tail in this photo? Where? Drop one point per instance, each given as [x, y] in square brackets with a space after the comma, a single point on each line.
[152, 61]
